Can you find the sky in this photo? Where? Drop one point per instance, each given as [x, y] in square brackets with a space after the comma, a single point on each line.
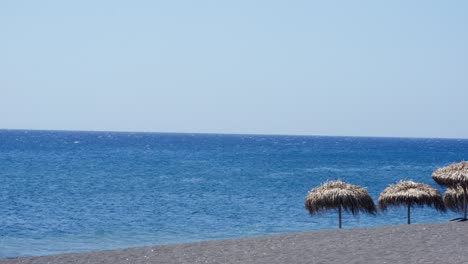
[348, 68]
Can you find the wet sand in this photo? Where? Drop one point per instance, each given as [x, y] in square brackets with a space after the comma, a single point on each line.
[419, 243]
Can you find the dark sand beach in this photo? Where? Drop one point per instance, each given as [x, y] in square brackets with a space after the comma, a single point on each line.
[419, 243]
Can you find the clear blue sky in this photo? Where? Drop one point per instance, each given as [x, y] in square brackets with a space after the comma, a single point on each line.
[360, 68]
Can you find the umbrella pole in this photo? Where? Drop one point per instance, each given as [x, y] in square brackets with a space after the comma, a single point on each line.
[464, 202]
[409, 214]
[339, 216]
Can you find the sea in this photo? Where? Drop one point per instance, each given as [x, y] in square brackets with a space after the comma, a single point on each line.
[66, 191]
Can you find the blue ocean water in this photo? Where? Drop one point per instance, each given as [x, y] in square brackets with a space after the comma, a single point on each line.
[80, 191]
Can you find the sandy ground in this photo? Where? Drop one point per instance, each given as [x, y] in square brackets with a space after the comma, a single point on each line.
[425, 243]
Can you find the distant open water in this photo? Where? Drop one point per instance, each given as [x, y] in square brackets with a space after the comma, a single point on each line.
[81, 191]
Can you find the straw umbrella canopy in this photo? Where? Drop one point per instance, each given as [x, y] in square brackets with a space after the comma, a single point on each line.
[453, 198]
[454, 175]
[339, 195]
[409, 194]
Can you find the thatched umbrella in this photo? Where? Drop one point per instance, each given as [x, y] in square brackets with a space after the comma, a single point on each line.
[410, 193]
[339, 195]
[453, 198]
[454, 175]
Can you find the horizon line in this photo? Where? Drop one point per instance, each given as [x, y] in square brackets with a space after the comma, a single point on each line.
[223, 133]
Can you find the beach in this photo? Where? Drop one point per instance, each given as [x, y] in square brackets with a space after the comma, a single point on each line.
[93, 191]
[233, 132]
[87, 191]
[418, 243]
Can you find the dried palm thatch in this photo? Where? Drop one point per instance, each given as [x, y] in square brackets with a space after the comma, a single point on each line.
[410, 194]
[339, 195]
[453, 198]
[454, 175]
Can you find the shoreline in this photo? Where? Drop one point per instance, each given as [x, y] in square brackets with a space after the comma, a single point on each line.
[416, 243]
